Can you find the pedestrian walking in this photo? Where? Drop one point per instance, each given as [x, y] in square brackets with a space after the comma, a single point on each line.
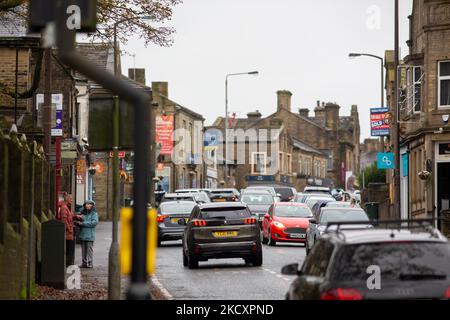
[66, 216]
[87, 233]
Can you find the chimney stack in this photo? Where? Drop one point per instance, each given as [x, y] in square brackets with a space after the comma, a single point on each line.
[332, 116]
[256, 115]
[319, 114]
[284, 100]
[304, 112]
[137, 75]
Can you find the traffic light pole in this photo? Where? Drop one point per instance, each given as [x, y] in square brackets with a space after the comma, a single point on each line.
[138, 289]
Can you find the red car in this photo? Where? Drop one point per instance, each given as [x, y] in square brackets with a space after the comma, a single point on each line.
[286, 222]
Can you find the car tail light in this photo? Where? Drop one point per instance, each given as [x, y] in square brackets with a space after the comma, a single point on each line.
[250, 221]
[200, 223]
[161, 218]
[447, 293]
[197, 249]
[341, 294]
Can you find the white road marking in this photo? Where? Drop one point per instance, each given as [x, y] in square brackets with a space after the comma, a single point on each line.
[163, 290]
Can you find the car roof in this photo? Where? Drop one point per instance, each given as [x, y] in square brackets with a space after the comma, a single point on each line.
[177, 202]
[285, 204]
[379, 235]
[181, 195]
[258, 193]
[317, 188]
[342, 209]
[222, 205]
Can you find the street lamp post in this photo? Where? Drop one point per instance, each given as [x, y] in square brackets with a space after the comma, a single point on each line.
[255, 73]
[354, 55]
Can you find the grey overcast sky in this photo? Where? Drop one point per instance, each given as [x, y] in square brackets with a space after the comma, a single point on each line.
[297, 45]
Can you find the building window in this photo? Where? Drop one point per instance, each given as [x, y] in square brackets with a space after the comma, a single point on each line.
[308, 167]
[259, 162]
[289, 164]
[281, 162]
[300, 165]
[444, 84]
[417, 85]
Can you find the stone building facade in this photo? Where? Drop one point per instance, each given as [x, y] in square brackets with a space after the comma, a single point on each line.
[180, 164]
[318, 150]
[424, 111]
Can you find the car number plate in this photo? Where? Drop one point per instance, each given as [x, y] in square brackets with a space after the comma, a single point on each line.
[219, 200]
[225, 234]
[175, 220]
[298, 235]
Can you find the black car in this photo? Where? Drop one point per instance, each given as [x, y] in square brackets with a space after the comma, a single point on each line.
[169, 213]
[286, 193]
[258, 203]
[377, 263]
[221, 230]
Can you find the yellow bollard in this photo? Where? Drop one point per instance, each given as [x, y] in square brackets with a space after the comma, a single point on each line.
[126, 243]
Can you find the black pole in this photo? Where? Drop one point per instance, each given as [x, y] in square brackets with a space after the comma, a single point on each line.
[16, 85]
[397, 205]
[66, 44]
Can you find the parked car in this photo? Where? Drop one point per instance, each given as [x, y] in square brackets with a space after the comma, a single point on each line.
[413, 264]
[286, 222]
[169, 214]
[224, 195]
[318, 225]
[329, 203]
[258, 203]
[286, 193]
[202, 195]
[311, 189]
[221, 230]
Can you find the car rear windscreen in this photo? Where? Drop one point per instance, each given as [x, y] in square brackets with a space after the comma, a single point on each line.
[222, 192]
[176, 208]
[225, 213]
[255, 199]
[292, 212]
[342, 215]
[285, 192]
[406, 261]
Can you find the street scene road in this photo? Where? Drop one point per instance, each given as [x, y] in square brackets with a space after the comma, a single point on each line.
[224, 150]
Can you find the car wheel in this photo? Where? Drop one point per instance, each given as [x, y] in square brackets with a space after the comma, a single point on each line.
[271, 242]
[192, 262]
[307, 247]
[185, 259]
[258, 259]
[263, 239]
[159, 242]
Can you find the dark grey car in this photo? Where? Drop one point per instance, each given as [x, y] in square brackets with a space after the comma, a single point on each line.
[258, 203]
[221, 230]
[374, 264]
[169, 213]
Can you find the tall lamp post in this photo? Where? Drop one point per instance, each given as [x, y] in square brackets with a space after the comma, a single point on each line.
[254, 73]
[114, 267]
[355, 55]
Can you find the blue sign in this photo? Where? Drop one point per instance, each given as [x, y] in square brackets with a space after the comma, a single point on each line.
[405, 164]
[385, 161]
[212, 138]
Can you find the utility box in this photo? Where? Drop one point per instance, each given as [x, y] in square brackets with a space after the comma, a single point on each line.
[445, 223]
[372, 209]
[53, 251]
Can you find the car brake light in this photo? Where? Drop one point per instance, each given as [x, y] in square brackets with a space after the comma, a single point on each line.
[447, 293]
[341, 294]
[161, 218]
[250, 221]
[200, 223]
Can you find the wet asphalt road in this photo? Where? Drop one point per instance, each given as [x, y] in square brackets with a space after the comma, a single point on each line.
[228, 279]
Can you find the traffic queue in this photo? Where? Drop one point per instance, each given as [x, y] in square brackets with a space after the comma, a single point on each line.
[343, 245]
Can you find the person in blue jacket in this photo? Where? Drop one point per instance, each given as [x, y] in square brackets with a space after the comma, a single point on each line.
[87, 233]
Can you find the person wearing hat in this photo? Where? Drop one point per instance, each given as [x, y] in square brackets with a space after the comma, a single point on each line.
[87, 233]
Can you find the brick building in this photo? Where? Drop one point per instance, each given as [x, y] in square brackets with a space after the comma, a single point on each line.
[424, 108]
[180, 163]
[319, 150]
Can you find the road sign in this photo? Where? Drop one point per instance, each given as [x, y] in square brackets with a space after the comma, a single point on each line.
[378, 125]
[126, 217]
[385, 161]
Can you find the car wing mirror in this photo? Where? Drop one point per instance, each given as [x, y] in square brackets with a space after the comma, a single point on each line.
[290, 269]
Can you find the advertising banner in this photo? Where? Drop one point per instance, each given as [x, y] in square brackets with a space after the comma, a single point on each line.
[378, 124]
[164, 133]
[57, 113]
